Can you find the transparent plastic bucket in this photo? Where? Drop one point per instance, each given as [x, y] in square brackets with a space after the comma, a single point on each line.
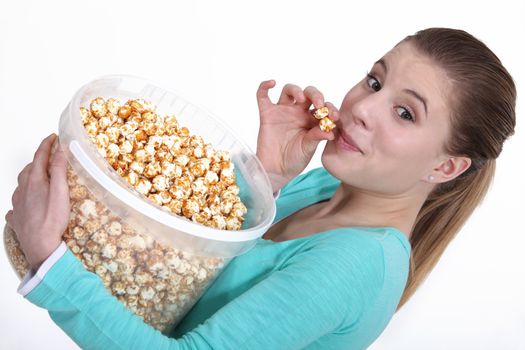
[177, 259]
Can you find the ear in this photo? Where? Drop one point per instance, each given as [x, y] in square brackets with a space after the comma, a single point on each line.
[449, 169]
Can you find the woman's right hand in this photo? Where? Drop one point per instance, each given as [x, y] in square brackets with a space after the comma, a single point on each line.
[288, 133]
[41, 206]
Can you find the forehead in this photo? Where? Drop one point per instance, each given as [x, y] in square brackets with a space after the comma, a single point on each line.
[407, 68]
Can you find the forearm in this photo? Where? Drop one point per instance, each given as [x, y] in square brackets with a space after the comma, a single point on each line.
[79, 304]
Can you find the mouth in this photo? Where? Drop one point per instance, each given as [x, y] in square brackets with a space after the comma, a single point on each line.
[346, 142]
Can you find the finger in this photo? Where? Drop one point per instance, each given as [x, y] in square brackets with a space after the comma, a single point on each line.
[54, 148]
[41, 159]
[314, 96]
[334, 112]
[14, 197]
[58, 185]
[9, 218]
[291, 94]
[22, 177]
[263, 100]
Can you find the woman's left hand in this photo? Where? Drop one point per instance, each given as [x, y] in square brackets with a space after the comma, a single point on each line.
[41, 206]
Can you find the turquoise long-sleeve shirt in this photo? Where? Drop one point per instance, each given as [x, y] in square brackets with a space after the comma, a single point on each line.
[336, 289]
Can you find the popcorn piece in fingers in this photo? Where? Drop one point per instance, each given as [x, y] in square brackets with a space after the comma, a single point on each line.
[326, 124]
[321, 113]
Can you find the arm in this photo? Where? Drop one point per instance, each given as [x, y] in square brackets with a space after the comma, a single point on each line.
[32, 278]
[312, 294]
[78, 302]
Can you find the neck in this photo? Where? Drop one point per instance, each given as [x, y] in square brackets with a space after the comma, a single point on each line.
[351, 206]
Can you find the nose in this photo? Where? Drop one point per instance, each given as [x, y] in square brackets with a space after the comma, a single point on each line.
[364, 110]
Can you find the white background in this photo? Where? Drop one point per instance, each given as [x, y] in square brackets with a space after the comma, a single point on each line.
[216, 53]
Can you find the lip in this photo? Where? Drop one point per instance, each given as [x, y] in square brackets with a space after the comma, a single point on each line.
[346, 142]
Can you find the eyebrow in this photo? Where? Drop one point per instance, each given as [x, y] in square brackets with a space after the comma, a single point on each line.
[423, 100]
[418, 96]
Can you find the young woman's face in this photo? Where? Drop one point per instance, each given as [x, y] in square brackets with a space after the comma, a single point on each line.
[398, 117]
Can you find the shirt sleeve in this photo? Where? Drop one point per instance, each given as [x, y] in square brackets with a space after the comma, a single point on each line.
[32, 278]
[310, 295]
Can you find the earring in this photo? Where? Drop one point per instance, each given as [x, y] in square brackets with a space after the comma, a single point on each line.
[430, 178]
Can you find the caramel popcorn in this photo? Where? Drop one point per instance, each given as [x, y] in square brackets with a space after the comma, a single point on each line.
[326, 124]
[98, 107]
[173, 169]
[321, 113]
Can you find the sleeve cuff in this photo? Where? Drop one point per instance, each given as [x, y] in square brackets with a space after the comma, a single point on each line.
[277, 194]
[32, 279]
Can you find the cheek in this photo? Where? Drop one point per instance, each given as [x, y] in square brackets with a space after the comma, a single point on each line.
[405, 153]
[390, 141]
[393, 167]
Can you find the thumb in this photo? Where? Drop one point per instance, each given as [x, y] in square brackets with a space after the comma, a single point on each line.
[313, 137]
[311, 141]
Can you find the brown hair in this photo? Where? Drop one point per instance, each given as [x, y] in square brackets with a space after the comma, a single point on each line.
[482, 118]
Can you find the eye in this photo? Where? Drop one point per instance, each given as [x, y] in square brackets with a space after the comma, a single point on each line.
[373, 83]
[404, 113]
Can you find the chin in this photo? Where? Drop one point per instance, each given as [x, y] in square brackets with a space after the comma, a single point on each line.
[331, 161]
[340, 167]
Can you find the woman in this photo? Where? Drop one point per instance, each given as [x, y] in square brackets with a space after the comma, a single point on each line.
[412, 155]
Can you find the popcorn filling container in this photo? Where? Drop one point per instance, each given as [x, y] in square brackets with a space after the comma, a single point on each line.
[155, 262]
